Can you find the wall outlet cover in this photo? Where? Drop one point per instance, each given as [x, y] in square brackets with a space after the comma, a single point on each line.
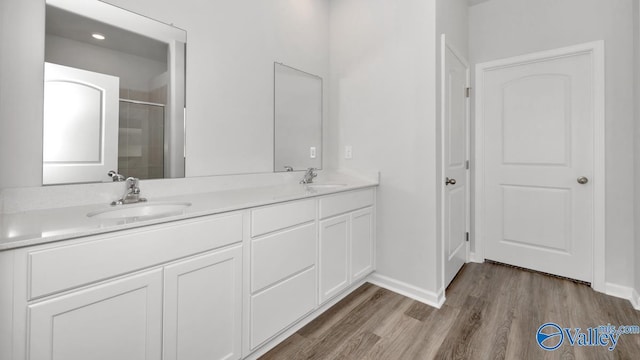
[348, 152]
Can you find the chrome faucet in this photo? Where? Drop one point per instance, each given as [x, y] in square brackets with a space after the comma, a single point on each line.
[131, 194]
[308, 176]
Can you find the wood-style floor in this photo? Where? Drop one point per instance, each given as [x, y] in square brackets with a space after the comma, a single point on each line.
[491, 312]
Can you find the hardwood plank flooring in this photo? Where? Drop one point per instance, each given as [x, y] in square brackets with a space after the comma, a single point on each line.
[491, 312]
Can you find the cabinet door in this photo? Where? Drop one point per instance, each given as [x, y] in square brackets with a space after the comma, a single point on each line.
[280, 306]
[121, 319]
[361, 243]
[334, 259]
[203, 304]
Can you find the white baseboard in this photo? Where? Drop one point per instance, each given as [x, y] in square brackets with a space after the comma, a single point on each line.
[474, 258]
[424, 296]
[623, 292]
[635, 299]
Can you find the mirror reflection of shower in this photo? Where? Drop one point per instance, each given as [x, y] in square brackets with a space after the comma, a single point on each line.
[141, 137]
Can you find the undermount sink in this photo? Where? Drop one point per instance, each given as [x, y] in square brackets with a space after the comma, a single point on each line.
[325, 186]
[143, 210]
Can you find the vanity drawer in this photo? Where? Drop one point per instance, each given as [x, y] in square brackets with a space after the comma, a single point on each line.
[278, 256]
[280, 306]
[272, 218]
[345, 202]
[60, 268]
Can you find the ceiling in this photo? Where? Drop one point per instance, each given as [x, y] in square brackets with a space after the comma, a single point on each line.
[75, 27]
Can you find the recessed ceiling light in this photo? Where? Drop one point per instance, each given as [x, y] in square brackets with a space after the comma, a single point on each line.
[98, 36]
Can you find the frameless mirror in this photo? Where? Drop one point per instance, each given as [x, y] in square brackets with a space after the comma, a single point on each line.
[114, 94]
[297, 119]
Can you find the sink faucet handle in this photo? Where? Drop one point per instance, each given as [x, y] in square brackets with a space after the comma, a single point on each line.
[132, 183]
[115, 176]
[312, 172]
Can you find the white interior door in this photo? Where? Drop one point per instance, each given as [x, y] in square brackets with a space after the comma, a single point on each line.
[80, 140]
[537, 119]
[455, 154]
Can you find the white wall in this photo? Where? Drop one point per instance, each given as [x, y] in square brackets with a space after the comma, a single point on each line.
[382, 102]
[21, 91]
[231, 48]
[452, 19]
[503, 28]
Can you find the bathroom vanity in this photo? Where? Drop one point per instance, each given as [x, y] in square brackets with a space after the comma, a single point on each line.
[227, 277]
[210, 267]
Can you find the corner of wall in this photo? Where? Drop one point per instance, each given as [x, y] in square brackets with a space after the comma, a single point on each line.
[435, 299]
[635, 300]
[636, 89]
[475, 258]
[624, 292]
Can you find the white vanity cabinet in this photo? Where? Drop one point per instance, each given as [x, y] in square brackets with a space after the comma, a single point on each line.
[170, 291]
[227, 286]
[346, 241]
[283, 268]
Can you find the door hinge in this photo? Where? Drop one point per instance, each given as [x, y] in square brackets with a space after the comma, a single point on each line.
[467, 92]
[467, 165]
[467, 237]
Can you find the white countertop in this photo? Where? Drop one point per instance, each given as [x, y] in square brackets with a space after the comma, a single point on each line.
[44, 226]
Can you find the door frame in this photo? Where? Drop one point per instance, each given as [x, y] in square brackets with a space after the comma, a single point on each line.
[596, 50]
[443, 53]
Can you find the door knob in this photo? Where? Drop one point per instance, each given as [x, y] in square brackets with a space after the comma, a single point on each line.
[583, 180]
[450, 181]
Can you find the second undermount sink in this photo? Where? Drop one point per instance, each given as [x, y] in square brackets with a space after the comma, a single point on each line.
[142, 210]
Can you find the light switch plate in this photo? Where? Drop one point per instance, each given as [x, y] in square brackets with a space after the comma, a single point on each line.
[312, 152]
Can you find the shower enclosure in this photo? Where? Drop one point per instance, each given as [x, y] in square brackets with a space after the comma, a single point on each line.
[141, 138]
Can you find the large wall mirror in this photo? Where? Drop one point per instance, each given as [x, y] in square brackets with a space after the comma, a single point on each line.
[114, 94]
[297, 119]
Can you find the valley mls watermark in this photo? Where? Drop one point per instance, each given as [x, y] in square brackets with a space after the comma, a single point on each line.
[551, 336]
